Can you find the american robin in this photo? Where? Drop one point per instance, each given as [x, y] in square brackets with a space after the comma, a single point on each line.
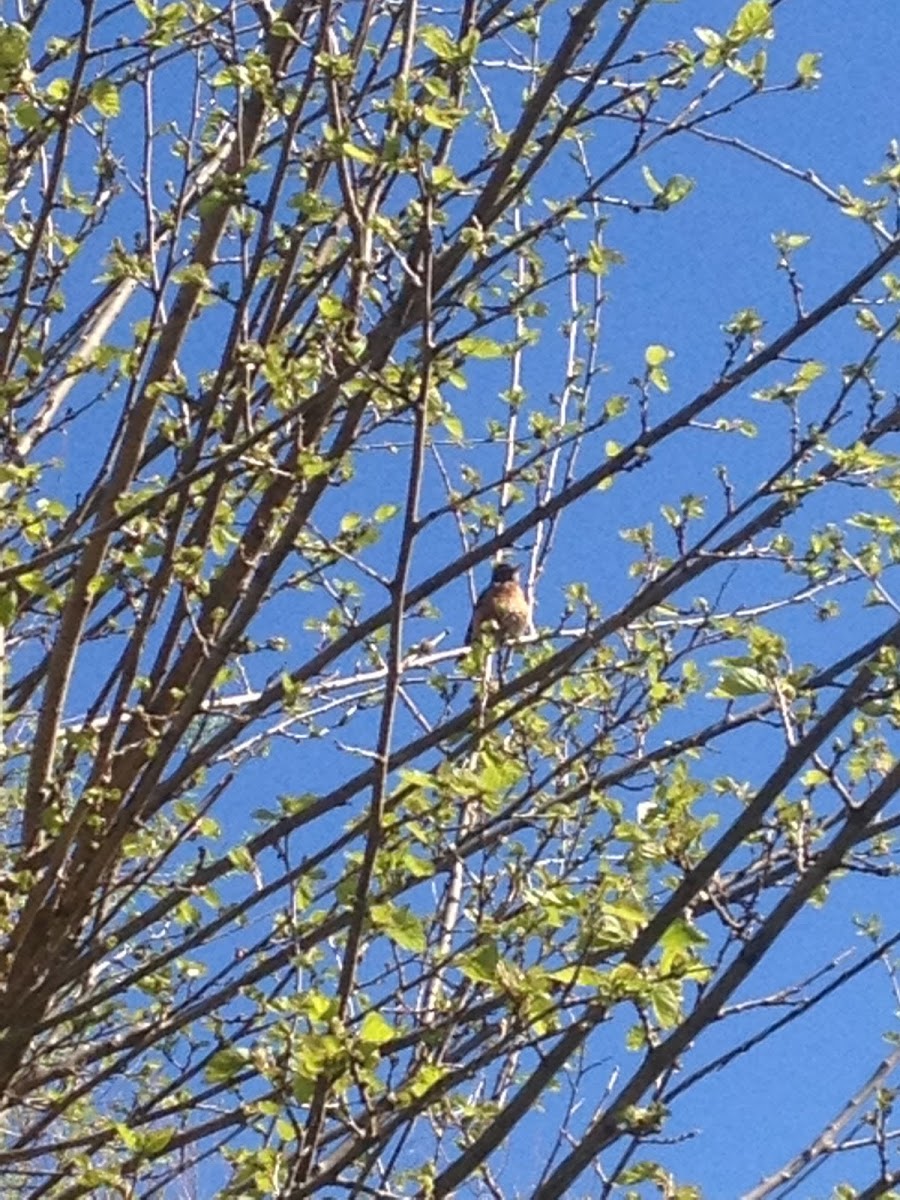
[502, 605]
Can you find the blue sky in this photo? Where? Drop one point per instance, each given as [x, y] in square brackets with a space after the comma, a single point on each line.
[686, 272]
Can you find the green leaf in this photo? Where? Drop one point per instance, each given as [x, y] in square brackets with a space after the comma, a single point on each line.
[439, 41]
[28, 116]
[454, 426]
[600, 259]
[7, 606]
[468, 45]
[676, 189]
[813, 778]
[154, 1141]
[651, 181]
[241, 858]
[425, 1077]
[359, 153]
[194, 274]
[14, 42]
[129, 1136]
[672, 515]
[226, 1064]
[677, 943]
[221, 539]
[741, 681]
[577, 975]
[658, 378]
[438, 89]
[410, 777]
[481, 965]
[376, 1030]
[58, 90]
[709, 37]
[499, 774]
[809, 372]
[419, 868]
[443, 177]
[400, 924]
[790, 241]
[480, 347]
[808, 72]
[867, 320]
[755, 69]
[666, 1000]
[105, 98]
[667, 194]
[655, 355]
[442, 118]
[744, 323]
[754, 20]
[330, 307]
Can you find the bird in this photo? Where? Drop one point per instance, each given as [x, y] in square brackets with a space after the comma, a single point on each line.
[503, 605]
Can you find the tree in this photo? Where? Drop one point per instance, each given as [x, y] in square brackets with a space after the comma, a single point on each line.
[305, 325]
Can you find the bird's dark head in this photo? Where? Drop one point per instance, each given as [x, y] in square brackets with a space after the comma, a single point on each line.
[504, 573]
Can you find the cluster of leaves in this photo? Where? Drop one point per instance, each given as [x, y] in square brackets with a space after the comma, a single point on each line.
[238, 408]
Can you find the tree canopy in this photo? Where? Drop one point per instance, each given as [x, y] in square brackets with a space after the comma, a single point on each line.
[310, 316]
